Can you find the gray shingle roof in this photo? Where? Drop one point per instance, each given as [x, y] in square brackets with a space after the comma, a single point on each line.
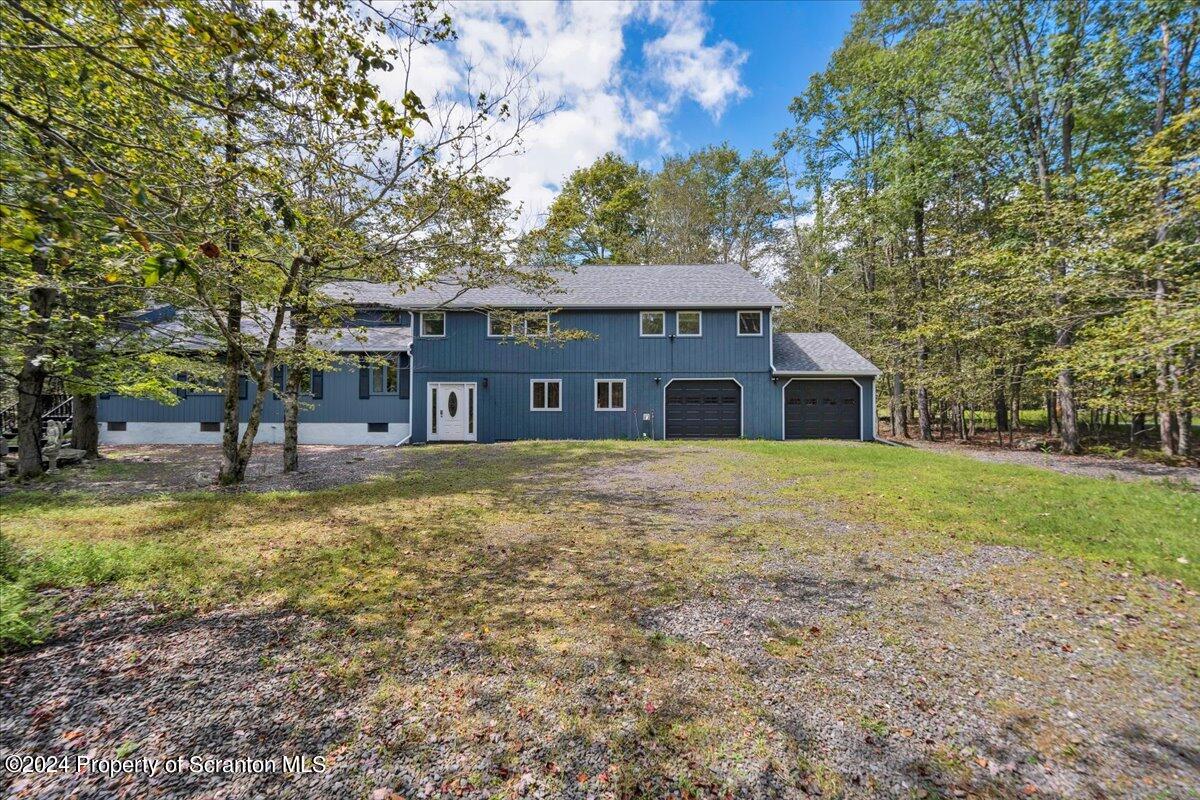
[589, 286]
[179, 334]
[818, 352]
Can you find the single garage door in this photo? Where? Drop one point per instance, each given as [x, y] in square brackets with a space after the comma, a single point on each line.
[704, 410]
[822, 410]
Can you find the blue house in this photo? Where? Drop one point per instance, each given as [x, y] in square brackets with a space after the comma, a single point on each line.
[672, 351]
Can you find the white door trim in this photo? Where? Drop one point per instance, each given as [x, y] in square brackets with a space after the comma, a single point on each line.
[470, 427]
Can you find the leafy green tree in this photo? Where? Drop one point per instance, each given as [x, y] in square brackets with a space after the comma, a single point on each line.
[599, 217]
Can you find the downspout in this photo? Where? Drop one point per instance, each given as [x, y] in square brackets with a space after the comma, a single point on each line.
[771, 348]
[412, 367]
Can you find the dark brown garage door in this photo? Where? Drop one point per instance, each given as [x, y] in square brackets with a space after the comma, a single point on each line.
[822, 410]
[704, 410]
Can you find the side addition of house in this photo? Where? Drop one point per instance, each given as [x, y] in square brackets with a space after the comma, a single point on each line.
[674, 351]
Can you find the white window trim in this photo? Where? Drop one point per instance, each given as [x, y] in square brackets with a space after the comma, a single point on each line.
[641, 329]
[525, 324]
[445, 322]
[699, 318]
[596, 402]
[512, 330]
[532, 381]
[761, 327]
[491, 335]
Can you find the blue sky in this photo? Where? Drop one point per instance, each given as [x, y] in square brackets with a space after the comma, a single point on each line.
[784, 43]
[643, 79]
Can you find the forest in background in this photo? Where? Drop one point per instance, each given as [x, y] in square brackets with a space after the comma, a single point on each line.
[997, 202]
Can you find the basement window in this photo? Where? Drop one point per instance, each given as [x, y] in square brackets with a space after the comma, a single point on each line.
[210, 427]
[377, 427]
[116, 426]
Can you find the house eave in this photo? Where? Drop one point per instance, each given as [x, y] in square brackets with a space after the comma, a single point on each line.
[793, 373]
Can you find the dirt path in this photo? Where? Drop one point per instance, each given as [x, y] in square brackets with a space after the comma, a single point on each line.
[1089, 466]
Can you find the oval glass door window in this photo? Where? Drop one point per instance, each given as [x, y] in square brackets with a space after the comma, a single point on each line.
[452, 404]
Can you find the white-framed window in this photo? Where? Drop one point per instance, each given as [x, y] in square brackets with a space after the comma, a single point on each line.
[610, 394]
[501, 325]
[652, 323]
[545, 394]
[433, 324]
[750, 323]
[688, 323]
[538, 325]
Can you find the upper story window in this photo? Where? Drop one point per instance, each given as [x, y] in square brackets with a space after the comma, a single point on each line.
[653, 323]
[687, 323]
[750, 323]
[433, 324]
[537, 324]
[389, 317]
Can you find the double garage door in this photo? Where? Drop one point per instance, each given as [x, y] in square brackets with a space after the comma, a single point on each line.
[822, 410]
[812, 410]
[704, 410]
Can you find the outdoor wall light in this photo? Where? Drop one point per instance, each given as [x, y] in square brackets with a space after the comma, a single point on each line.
[658, 380]
[485, 383]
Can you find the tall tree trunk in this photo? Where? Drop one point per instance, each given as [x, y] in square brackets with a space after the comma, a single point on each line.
[232, 471]
[85, 430]
[291, 397]
[264, 376]
[31, 381]
[923, 420]
[899, 412]
[999, 401]
[1168, 435]
[1051, 414]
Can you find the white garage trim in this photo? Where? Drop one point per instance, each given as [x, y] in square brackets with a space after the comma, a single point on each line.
[741, 402]
[783, 403]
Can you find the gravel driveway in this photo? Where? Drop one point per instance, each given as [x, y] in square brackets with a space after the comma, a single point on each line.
[844, 661]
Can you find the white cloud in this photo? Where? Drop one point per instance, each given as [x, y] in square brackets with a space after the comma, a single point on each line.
[576, 51]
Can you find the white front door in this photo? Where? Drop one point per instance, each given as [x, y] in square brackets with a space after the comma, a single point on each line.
[451, 412]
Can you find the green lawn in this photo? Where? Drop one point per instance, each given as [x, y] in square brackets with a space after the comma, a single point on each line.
[536, 572]
[367, 549]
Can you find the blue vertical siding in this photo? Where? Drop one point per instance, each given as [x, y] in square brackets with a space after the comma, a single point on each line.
[503, 411]
[614, 345]
[339, 403]
[502, 371]
[613, 349]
